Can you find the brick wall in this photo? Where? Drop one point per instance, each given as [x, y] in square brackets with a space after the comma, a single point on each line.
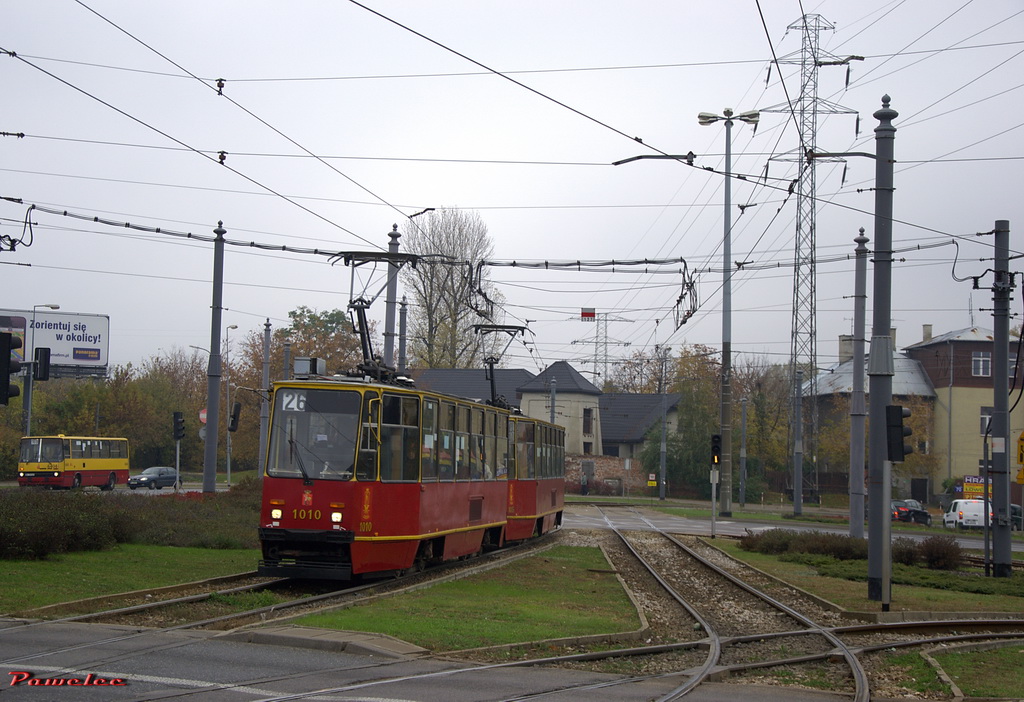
[610, 475]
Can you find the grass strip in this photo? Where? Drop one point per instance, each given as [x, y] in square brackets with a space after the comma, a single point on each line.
[845, 584]
[990, 673]
[567, 591]
[74, 576]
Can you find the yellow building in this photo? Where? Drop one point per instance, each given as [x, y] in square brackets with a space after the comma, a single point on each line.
[960, 367]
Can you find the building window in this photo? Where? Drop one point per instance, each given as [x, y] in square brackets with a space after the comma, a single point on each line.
[986, 417]
[981, 364]
[588, 421]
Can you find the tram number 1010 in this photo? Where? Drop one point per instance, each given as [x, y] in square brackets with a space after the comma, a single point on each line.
[306, 514]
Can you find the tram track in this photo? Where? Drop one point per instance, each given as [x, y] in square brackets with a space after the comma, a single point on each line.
[155, 619]
[680, 644]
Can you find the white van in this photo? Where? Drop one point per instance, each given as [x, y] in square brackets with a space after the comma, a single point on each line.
[965, 514]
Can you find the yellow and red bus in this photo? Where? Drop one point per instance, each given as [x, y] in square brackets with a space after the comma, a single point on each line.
[73, 461]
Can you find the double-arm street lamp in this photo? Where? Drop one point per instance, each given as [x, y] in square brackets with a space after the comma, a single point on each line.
[706, 118]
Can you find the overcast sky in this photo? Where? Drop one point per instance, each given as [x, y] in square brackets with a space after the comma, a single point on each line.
[340, 119]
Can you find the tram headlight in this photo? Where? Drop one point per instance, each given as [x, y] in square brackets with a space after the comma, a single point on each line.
[336, 517]
[56, 474]
[275, 514]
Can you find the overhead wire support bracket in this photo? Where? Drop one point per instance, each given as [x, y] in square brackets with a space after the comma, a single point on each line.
[491, 361]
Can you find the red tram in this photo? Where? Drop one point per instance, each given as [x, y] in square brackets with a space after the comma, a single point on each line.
[366, 477]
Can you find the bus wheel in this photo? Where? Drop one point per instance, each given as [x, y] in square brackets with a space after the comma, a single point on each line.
[111, 481]
[77, 482]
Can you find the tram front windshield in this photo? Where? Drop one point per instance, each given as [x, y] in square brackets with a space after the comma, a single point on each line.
[313, 434]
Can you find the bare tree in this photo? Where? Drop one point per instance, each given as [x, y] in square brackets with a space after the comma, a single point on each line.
[445, 290]
[639, 373]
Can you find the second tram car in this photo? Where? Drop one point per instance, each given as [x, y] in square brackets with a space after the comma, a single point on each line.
[366, 477]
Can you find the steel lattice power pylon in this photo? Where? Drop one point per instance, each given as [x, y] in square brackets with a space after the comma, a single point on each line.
[805, 110]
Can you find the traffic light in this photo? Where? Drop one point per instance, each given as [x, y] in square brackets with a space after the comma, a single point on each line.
[716, 449]
[179, 426]
[8, 366]
[895, 433]
[41, 364]
[233, 424]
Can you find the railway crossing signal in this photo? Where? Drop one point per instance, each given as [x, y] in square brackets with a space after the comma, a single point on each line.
[896, 432]
[8, 366]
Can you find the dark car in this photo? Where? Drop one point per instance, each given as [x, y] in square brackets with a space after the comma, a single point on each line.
[910, 511]
[153, 478]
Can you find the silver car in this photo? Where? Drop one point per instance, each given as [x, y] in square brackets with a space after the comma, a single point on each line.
[153, 478]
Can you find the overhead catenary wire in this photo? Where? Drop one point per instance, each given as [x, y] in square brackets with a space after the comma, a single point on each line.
[756, 246]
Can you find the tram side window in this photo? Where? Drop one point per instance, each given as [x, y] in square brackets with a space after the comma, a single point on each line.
[525, 451]
[560, 452]
[462, 443]
[501, 457]
[400, 438]
[428, 451]
[490, 422]
[446, 437]
[545, 451]
[366, 465]
[476, 441]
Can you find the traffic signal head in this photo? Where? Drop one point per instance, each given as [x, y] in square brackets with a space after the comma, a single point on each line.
[41, 364]
[716, 449]
[8, 366]
[235, 411]
[179, 426]
[895, 433]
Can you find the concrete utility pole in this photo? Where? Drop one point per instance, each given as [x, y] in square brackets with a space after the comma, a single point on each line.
[880, 361]
[403, 323]
[743, 452]
[798, 446]
[858, 412]
[663, 455]
[213, 369]
[1000, 467]
[265, 402]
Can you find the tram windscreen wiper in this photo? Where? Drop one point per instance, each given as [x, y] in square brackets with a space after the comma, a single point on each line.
[306, 480]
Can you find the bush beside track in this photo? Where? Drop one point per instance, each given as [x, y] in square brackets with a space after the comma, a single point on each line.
[934, 562]
[35, 524]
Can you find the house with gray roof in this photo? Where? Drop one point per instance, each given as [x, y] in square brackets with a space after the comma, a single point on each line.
[627, 418]
[576, 405]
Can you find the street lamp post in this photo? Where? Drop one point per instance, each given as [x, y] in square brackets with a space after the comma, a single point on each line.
[30, 366]
[706, 118]
[227, 398]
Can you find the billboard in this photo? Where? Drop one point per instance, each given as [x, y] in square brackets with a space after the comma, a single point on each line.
[78, 343]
